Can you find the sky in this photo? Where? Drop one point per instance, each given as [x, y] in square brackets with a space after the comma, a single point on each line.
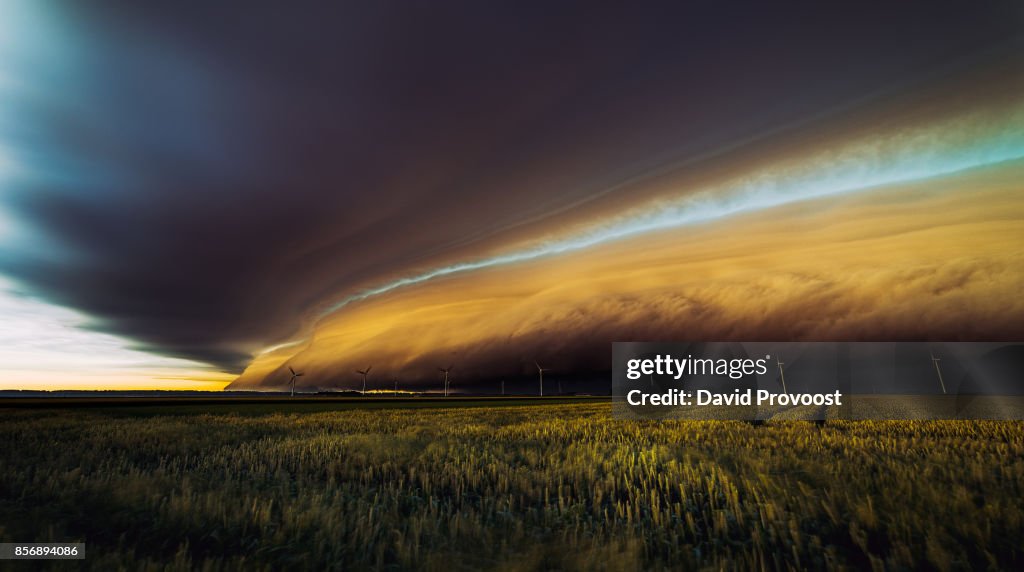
[196, 195]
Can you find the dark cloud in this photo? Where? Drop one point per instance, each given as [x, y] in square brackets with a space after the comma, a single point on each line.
[197, 177]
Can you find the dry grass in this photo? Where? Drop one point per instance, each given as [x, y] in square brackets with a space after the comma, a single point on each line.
[559, 487]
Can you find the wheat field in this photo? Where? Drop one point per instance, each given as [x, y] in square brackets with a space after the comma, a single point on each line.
[532, 487]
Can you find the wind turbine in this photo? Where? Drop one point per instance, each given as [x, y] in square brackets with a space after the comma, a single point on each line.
[503, 387]
[782, 374]
[445, 372]
[292, 380]
[936, 361]
[396, 385]
[363, 373]
[540, 372]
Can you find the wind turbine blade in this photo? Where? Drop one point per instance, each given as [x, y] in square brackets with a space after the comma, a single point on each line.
[299, 374]
[290, 369]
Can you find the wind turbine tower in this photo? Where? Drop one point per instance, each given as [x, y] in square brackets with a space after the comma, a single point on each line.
[540, 373]
[445, 372]
[292, 380]
[935, 361]
[364, 373]
[782, 375]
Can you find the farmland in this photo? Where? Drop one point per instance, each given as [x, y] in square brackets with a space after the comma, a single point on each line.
[510, 485]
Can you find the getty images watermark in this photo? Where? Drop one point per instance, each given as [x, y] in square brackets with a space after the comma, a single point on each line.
[818, 380]
[736, 368]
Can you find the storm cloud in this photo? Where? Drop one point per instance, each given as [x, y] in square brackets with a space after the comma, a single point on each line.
[207, 181]
[909, 262]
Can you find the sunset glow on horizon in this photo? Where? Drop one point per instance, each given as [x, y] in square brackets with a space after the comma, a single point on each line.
[43, 347]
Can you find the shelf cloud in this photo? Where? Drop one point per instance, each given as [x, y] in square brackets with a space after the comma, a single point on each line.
[244, 190]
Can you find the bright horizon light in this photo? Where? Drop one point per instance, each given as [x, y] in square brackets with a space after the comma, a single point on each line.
[47, 347]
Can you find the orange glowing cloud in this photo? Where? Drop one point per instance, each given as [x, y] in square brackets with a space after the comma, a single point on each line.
[935, 259]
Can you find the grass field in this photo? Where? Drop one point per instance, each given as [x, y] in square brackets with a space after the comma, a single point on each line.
[510, 485]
